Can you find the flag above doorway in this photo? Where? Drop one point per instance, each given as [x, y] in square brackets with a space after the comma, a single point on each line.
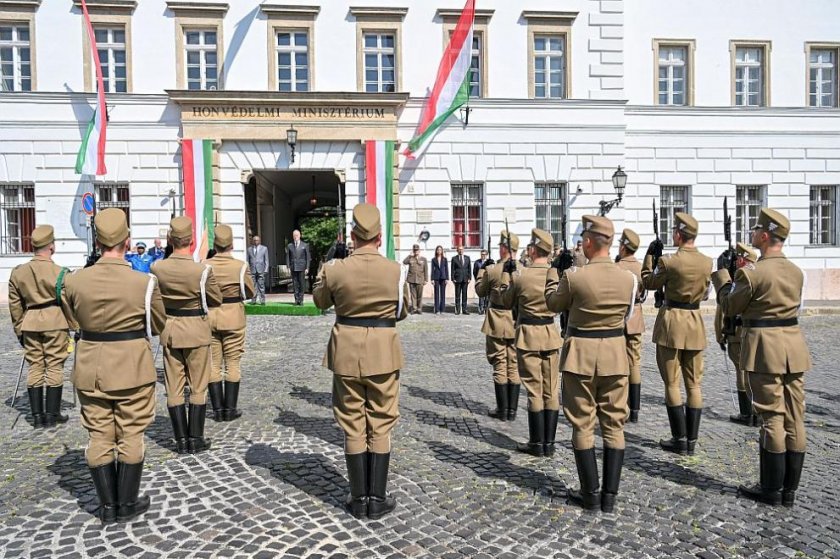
[197, 161]
[379, 188]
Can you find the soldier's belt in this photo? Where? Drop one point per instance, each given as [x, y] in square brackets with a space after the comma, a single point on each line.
[42, 306]
[573, 332]
[770, 322]
[496, 307]
[366, 322]
[229, 300]
[680, 305]
[184, 312]
[536, 321]
[89, 336]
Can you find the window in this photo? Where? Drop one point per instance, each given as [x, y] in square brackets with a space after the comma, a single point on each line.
[550, 66]
[750, 72]
[550, 202]
[202, 58]
[823, 215]
[476, 66]
[15, 58]
[748, 203]
[111, 45]
[673, 61]
[17, 216]
[380, 62]
[467, 202]
[113, 195]
[822, 76]
[672, 199]
[292, 61]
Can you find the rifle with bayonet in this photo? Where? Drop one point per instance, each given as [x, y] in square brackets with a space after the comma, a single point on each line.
[659, 294]
[94, 253]
[728, 321]
[563, 262]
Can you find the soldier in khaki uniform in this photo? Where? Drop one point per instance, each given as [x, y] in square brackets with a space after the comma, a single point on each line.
[227, 323]
[41, 326]
[118, 311]
[537, 342]
[499, 329]
[365, 355]
[773, 353]
[594, 362]
[418, 277]
[679, 332]
[635, 327]
[188, 289]
[728, 333]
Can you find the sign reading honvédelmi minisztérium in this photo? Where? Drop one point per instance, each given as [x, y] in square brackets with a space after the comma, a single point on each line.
[303, 113]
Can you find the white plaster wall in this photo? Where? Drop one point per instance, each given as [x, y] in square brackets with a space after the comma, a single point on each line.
[712, 24]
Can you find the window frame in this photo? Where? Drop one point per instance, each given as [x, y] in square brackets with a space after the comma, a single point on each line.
[767, 48]
[550, 24]
[202, 49]
[111, 21]
[378, 20]
[547, 202]
[809, 46]
[198, 16]
[5, 237]
[25, 17]
[16, 46]
[743, 230]
[666, 218]
[290, 19]
[833, 216]
[690, 46]
[293, 50]
[480, 29]
[465, 204]
[116, 186]
[379, 51]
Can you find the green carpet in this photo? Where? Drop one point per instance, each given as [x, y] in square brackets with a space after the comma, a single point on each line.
[284, 309]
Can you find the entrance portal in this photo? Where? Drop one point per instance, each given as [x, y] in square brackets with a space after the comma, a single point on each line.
[277, 201]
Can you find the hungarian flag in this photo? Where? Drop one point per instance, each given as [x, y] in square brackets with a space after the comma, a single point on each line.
[452, 85]
[379, 188]
[91, 157]
[197, 158]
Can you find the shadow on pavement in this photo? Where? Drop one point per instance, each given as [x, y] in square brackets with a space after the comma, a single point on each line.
[323, 399]
[449, 399]
[466, 427]
[74, 477]
[323, 428]
[497, 465]
[314, 474]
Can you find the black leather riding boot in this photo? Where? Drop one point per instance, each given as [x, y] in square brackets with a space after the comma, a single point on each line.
[772, 476]
[501, 411]
[793, 472]
[231, 400]
[613, 461]
[54, 415]
[129, 503]
[357, 475]
[634, 401]
[588, 495]
[217, 400]
[105, 482]
[379, 502]
[744, 416]
[550, 419]
[36, 405]
[513, 400]
[676, 417]
[196, 442]
[178, 416]
[692, 423]
[536, 432]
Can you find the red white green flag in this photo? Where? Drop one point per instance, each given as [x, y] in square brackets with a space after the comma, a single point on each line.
[452, 85]
[91, 157]
[197, 158]
[379, 188]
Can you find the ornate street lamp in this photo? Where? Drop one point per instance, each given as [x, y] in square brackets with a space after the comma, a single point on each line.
[291, 139]
[619, 180]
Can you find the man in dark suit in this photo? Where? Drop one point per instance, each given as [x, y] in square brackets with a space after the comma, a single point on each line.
[461, 272]
[297, 258]
[477, 265]
[259, 265]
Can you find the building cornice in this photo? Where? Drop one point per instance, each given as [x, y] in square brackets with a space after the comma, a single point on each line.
[549, 16]
[20, 5]
[203, 9]
[706, 111]
[108, 6]
[378, 13]
[280, 11]
[185, 96]
[453, 14]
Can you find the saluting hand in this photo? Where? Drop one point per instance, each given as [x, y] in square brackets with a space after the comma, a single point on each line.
[655, 248]
[488, 262]
[723, 261]
[564, 260]
[510, 266]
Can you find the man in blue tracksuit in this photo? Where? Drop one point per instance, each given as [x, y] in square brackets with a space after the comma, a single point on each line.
[140, 260]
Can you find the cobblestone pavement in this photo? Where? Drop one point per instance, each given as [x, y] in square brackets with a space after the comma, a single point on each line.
[273, 484]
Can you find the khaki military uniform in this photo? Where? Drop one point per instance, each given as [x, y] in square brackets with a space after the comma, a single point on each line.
[498, 326]
[417, 278]
[635, 326]
[679, 333]
[115, 379]
[733, 347]
[595, 369]
[537, 345]
[774, 358]
[364, 351]
[39, 319]
[188, 289]
[227, 322]
[579, 257]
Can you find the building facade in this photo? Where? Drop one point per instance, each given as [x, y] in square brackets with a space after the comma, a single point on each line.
[718, 100]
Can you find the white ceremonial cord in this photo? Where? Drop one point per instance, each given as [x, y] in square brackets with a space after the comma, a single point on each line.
[242, 281]
[150, 289]
[632, 297]
[400, 286]
[203, 287]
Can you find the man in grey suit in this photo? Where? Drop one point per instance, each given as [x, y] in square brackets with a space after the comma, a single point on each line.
[297, 258]
[259, 266]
